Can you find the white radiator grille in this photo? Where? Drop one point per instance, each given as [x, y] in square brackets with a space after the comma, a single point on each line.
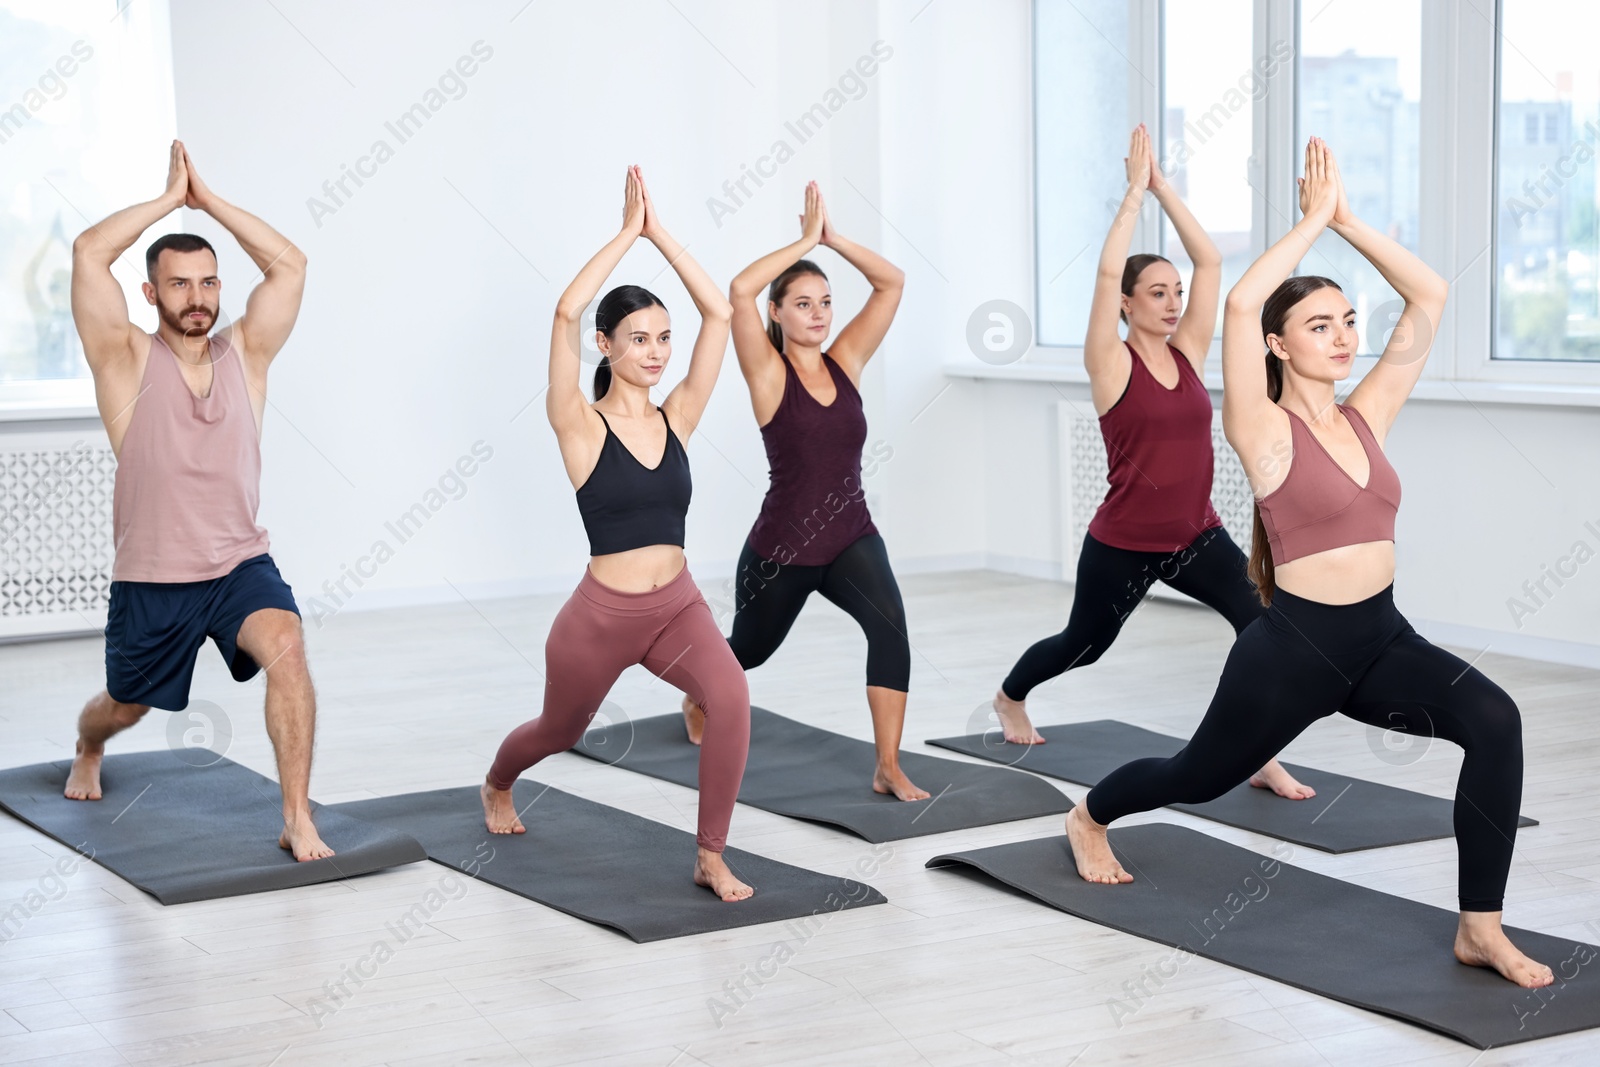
[55, 533]
[1083, 465]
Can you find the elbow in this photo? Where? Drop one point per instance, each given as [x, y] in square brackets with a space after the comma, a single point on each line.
[719, 311]
[1239, 303]
[894, 280]
[294, 259]
[85, 244]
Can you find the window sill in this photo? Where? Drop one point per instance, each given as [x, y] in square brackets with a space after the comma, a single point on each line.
[1441, 389]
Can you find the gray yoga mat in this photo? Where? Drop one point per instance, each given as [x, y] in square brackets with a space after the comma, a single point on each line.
[607, 865]
[1343, 941]
[808, 773]
[182, 832]
[1346, 815]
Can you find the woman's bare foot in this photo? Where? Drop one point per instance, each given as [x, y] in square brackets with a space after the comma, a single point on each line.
[711, 872]
[1014, 721]
[894, 780]
[1281, 782]
[1480, 942]
[83, 781]
[1092, 851]
[499, 813]
[694, 721]
[301, 838]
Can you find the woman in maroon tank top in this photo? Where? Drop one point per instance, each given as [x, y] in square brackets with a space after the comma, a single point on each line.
[814, 534]
[1156, 521]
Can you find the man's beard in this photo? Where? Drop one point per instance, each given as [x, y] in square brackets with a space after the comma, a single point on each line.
[180, 322]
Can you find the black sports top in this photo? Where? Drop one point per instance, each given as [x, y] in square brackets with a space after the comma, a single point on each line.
[626, 505]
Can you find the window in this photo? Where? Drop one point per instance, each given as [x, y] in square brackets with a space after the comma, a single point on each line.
[1547, 242]
[1360, 89]
[86, 116]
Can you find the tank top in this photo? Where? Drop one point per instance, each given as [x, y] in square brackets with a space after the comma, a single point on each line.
[626, 505]
[1158, 462]
[1319, 506]
[816, 504]
[183, 508]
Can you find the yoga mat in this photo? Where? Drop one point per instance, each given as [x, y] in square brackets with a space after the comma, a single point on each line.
[1346, 815]
[807, 773]
[181, 832]
[606, 865]
[1346, 942]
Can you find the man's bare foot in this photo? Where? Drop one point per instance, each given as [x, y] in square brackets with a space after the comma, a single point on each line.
[1281, 782]
[300, 837]
[1091, 850]
[1480, 942]
[711, 872]
[83, 781]
[894, 780]
[1014, 721]
[499, 813]
[694, 721]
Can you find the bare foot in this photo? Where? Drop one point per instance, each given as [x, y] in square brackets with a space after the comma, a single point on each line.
[694, 720]
[1480, 942]
[83, 782]
[499, 813]
[894, 780]
[1014, 721]
[1092, 851]
[711, 872]
[300, 837]
[1281, 782]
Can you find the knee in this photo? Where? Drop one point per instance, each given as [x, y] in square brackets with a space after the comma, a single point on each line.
[727, 696]
[125, 715]
[284, 648]
[1496, 722]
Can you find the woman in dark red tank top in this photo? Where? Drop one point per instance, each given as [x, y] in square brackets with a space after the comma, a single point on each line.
[1156, 522]
[814, 534]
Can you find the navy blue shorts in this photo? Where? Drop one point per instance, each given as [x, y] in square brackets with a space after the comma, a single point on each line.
[154, 630]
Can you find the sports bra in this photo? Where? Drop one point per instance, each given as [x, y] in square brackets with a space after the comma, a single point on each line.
[626, 505]
[1319, 506]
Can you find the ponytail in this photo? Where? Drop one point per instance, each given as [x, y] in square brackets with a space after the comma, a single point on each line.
[602, 378]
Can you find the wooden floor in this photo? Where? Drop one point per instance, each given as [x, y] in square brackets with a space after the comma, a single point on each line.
[951, 971]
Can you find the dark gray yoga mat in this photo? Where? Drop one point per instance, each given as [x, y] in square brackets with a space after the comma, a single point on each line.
[606, 865]
[1346, 942]
[1346, 815]
[181, 832]
[808, 773]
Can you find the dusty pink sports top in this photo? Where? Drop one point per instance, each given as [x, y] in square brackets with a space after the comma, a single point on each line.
[189, 474]
[1319, 506]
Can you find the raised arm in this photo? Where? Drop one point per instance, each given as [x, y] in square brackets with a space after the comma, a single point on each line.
[1251, 420]
[860, 338]
[1199, 321]
[1105, 357]
[760, 363]
[274, 304]
[569, 411]
[99, 308]
[1380, 395]
[688, 399]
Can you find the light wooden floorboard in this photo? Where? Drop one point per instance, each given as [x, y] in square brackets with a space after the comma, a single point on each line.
[952, 972]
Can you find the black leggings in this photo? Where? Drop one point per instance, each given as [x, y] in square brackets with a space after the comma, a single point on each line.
[1111, 584]
[768, 597]
[1304, 660]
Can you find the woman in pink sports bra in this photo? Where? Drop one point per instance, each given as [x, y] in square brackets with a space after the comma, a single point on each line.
[1323, 562]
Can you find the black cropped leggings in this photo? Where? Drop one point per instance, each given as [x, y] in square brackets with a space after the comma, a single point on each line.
[1304, 660]
[1112, 582]
[768, 597]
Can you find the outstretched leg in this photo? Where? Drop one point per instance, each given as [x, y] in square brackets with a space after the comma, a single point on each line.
[861, 582]
[1110, 585]
[273, 639]
[1214, 571]
[101, 719]
[1421, 690]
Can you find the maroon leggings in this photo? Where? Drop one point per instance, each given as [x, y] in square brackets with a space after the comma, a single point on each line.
[599, 633]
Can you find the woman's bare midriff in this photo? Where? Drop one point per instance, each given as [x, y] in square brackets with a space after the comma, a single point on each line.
[638, 570]
[1340, 575]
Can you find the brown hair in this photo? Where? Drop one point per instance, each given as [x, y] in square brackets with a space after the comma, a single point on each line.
[1132, 269]
[780, 289]
[1273, 313]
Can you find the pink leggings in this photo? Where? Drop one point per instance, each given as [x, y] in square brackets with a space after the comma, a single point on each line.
[599, 633]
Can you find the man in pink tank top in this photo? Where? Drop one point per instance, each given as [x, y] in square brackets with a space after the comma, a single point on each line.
[183, 410]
